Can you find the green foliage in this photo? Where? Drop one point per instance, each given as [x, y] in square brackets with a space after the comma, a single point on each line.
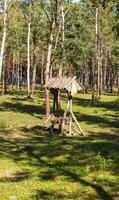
[3, 125]
[99, 162]
[79, 44]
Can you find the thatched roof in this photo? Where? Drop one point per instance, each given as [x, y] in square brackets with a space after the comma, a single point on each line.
[70, 84]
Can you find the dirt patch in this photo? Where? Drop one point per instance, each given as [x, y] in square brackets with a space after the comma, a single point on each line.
[14, 136]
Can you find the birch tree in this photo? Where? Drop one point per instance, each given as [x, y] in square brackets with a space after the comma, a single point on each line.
[49, 52]
[28, 53]
[5, 7]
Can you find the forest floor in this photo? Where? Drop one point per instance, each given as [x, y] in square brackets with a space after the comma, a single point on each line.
[37, 165]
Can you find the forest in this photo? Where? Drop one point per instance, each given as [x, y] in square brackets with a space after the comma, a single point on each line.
[57, 55]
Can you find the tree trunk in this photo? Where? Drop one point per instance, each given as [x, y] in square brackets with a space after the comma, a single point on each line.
[97, 52]
[101, 70]
[28, 58]
[21, 81]
[118, 85]
[47, 72]
[93, 82]
[3, 79]
[18, 73]
[111, 79]
[4, 37]
[13, 71]
[42, 70]
[34, 72]
[62, 64]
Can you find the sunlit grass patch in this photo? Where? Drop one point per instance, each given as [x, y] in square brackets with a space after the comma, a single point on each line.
[37, 165]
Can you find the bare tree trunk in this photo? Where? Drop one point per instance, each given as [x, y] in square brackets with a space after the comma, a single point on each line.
[93, 82]
[13, 71]
[4, 37]
[18, 73]
[118, 85]
[62, 64]
[21, 81]
[111, 78]
[34, 79]
[101, 81]
[98, 81]
[103, 74]
[101, 70]
[42, 70]
[34, 72]
[47, 72]
[97, 52]
[3, 79]
[28, 57]
[86, 76]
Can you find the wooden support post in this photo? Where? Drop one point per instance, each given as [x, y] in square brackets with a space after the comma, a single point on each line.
[70, 117]
[70, 124]
[58, 101]
[48, 119]
[64, 116]
[78, 125]
[76, 130]
[54, 102]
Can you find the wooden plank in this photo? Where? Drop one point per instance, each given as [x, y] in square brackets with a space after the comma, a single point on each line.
[63, 83]
[70, 82]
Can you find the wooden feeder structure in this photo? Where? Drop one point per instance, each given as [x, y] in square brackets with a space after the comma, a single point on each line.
[71, 86]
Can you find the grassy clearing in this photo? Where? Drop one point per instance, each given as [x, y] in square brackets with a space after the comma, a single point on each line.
[36, 165]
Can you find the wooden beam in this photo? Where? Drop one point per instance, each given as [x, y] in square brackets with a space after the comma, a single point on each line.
[70, 117]
[48, 119]
[76, 130]
[78, 125]
[70, 82]
[64, 116]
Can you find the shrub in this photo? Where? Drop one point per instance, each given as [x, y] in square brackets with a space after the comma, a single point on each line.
[99, 162]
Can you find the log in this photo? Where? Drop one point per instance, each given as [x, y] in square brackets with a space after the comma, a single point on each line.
[76, 130]
[78, 125]
[48, 119]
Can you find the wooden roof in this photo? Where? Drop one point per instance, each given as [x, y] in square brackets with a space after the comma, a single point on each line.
[70, 84]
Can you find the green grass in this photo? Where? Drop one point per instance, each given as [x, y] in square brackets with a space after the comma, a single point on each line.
[37, 165]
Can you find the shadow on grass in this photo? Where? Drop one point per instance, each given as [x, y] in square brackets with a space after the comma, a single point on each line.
[75, 159]
[68, 157]
[22, 108]
[42, 129]
[111, 105]
[16, 93]
[103, 121]
[45, 195]
[23, 92]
